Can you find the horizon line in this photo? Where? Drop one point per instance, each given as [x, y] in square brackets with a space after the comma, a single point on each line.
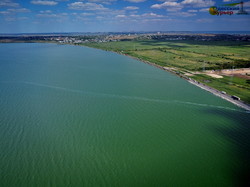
[79, 32]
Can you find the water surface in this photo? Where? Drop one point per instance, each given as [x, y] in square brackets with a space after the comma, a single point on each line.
[75, 116]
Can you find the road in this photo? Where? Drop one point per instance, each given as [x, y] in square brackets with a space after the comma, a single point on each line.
[220, 94]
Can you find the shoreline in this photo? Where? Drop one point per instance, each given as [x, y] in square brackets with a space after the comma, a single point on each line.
[213, 91]
[218, 93]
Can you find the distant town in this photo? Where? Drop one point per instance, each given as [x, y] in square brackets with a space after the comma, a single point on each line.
[78, 38]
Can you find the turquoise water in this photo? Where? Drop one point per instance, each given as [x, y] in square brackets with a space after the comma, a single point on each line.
[75, 116]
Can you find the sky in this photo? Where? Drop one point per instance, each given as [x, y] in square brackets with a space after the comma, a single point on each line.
[47, 16]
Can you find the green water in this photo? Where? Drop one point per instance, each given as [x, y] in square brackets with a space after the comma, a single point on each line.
[75, 116]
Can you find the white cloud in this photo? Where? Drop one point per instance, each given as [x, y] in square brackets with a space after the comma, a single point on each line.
[169, 6]
[152, 15]
[142, 17]
[186, 14]
[192, 10]
[134, 16]
[23, 18]
[131, 8]
[174, 6]
[19, 10]
[40, 2]
[86, 6]
[156, 21]
[51, 14]
[8, 3]
[86, 14]
[120, 16]
[47, 15]
[45, 11]
[204, 20]
[198, 3]
[100, 17]
[204, 10]
[13, 11]
[56, 17]
[183, 14]
[135, 1]
[165, 5]
[102, 1]
[168, 0]
[10, 19]
[4, 12]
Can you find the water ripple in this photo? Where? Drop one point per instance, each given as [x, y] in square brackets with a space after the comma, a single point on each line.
[121, 96]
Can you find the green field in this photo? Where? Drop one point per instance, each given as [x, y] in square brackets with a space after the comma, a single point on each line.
[192, 56]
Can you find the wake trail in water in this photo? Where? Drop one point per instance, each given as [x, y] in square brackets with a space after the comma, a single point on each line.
[107, 95]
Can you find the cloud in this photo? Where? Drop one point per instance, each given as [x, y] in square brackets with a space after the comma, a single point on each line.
[192, 10]
[4, 12]
[141, 17]
[198, 3]
[135, 16]
[102, 1]
[121, 16]
[45, 11]
[135, 1]
[168, 0]
[86, 14]
[173, 6]
[186, 14]
[12, 19]
[165, 4]
[8, 3]
[53, 17]
[12, 11]
[100, 17]
[40, 2]
[170, 6]
[19, 10]
[204, 20]
[47, 15]
[152, 15]
[131, 8]
[51, 14]
[204, 10]
[86, 6]
[182, 14]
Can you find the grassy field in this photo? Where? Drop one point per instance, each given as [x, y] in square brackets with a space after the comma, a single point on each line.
[192, 56]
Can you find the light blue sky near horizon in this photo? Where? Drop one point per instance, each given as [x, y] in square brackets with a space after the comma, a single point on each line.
[41, 16]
